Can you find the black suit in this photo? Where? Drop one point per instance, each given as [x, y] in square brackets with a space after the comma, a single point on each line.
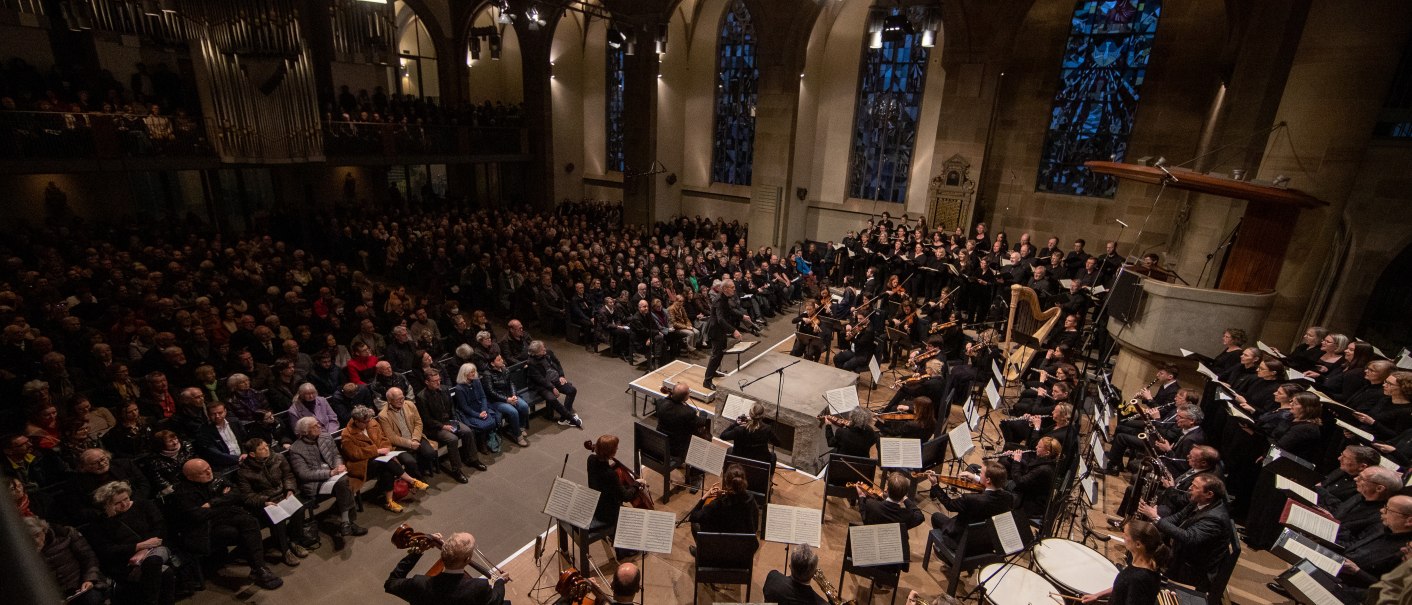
[784, 590]
[851, 441]
[1199, 540]
[1356, 517]
[1034, 486]
[726, 317]
[210, 447]
[1336, 487]
[1376, 554]
[679, 422]
[970, 508]
[447, 588]
[1175, 458]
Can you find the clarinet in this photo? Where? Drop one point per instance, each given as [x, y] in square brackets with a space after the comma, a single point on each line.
[1133, 406]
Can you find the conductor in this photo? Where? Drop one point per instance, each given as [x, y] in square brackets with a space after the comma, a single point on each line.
[450, 587]
[726, 318]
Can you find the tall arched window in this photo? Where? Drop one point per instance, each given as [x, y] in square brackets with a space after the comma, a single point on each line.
[737, 77]
[890, 88]
[416, 61]
[616, 157]
[1110, 43]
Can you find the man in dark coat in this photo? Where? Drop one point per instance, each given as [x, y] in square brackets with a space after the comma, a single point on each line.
[1198, 534]
[208, 513]
[453, 586]
[726, 319]
[973, 508]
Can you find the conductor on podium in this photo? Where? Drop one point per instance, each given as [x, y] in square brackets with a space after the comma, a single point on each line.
[726, 319]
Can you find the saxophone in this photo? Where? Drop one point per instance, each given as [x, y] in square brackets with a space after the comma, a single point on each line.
[1133, 406]
[829, 592]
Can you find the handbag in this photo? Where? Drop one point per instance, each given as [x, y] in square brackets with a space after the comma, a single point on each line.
[161, 553]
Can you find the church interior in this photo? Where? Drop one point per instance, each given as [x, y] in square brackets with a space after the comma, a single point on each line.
[217, 204]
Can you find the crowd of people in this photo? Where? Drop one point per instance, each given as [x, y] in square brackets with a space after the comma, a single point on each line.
[379, 107]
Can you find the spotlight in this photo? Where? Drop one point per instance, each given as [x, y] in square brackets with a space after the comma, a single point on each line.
[473, 50]
[151, 8]
[615, 38]
[661, 40]
[532, 15]
[896, 27]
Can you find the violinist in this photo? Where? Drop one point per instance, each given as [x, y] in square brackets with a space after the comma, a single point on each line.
[915, 420]
[862, 341]
[751, 436]
[811, 322]
[896, 507]
[603, 476]
[854, 436]
[972, 508]
[679, 421]
[931, 384]
[727, 507]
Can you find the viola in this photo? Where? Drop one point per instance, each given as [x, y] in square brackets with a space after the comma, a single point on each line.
[896, 416]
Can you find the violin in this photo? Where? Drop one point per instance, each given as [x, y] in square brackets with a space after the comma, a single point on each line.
[939, 327]
[896, 416]
[869, 489]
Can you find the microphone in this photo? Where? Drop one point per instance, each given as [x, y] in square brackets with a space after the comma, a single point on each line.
[1161, 164]
[1120, 222]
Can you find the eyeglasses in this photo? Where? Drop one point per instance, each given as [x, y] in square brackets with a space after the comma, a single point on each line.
[1389, 509]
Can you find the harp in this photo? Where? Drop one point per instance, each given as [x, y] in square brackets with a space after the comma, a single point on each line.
[1026, 330]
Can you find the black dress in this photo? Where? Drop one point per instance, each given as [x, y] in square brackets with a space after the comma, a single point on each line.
[1135, 586]
[746, 443]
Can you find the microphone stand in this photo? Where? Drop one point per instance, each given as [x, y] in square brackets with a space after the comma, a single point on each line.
[779, 394]
[1226, 242]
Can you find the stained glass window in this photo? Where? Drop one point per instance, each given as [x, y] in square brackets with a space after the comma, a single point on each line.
[889, 107]
[737, 75]
[1110, 43]
[616, 158]
[1396, 118]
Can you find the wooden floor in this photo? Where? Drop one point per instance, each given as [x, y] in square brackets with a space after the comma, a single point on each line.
[669, 577]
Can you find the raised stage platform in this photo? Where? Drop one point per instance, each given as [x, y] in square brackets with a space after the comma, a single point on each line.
[802, 399]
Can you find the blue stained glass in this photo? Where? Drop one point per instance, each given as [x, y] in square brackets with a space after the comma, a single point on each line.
[890, 89]
[617, 159]
[1396, 119]
[737, 78]
[1100, 82]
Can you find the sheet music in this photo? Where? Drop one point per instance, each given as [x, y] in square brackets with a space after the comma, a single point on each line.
[874, 369]
[973, 418]
[736, 406]
[842, 399]
[1186, 353]
[1358, 432]
[960, 438]
[894, 452]
[388, 456]
[1312, 589]
[1237, 412]
[1312, 523]
[1301, 548]
[645, 530]
[1066, 283]
[1388, 464]
[1007, 533]
[1203, 370]
[1083, 468]
[326, 487]
[1291, 374]
[1091, 490]
[1283, 482]
[879, 544]
[742, 346]
[706, 455]
[1099, 456]
[571, 503]
[1266, 348]
[1404, 361]
[1099, 289]
[993, 394]
[1322, 396]
[793, 524]
[995, 370]
[283, 509]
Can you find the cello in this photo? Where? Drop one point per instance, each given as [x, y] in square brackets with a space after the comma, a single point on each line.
[627, 478]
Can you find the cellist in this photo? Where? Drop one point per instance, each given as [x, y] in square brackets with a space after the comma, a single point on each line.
[614, 492]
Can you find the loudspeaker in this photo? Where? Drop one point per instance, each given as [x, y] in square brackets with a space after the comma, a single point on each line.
[1125, 300]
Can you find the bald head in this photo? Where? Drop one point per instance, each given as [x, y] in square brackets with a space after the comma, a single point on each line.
[197, 470]
[625, 582]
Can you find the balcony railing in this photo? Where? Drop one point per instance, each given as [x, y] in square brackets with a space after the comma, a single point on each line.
[392, 140]
[62, 135]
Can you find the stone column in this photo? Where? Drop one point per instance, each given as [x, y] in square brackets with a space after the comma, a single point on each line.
[640, 130]
[534, 62]
[1348, 50]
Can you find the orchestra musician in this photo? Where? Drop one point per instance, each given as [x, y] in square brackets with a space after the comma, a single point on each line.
[811, 321]
[751, 436]
[930, 384]
[896, 507]
[452, 585]
[918, 420]
[862, 341]
[726, 320]
[1173, 495]
[854, 437]
[794, 589]
[726, 508]
[1034, 475]
[1197, 534]
[1141, 580]
[603, 477]
[972, 508]
[1030, 427]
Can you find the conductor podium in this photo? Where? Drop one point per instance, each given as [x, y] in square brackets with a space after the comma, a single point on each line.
[800, 437]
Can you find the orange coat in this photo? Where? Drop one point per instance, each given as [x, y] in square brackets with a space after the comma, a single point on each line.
[359, 449]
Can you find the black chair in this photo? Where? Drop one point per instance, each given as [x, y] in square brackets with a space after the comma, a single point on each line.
[759, 479]
[724, 559]
[977, 547]
[582, 539]
[650, 449]
[885, 575]
[840, 470]
[1222, 574]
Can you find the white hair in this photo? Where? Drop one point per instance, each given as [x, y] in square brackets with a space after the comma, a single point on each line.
[302, 426]
[467, 373]
[235, 378]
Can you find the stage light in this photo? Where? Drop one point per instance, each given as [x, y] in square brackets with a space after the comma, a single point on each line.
[896, 28]
[534, 21]
[661, 40]
[615, 38]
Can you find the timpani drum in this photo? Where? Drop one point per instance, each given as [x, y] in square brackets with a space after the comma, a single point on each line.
[1073, 567]
[1007, 584]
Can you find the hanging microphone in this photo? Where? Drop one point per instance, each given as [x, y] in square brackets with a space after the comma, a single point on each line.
[1120, 222]
[1161, 164]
